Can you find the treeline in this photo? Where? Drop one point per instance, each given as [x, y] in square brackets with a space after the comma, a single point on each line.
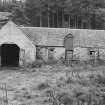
[66, 13]
[60, 13]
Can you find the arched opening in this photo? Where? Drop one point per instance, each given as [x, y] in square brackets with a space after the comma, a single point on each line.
[10, 55]
[68, 45]
[68, 42]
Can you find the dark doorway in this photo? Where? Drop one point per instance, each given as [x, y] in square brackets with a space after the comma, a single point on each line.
[10, 55]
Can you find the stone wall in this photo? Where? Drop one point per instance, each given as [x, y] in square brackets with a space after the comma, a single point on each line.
[102, 54]
[59, 52]
[10, 34]
[81, 54]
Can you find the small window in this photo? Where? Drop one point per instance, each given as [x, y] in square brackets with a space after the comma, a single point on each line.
[92, 53]
[51, 49]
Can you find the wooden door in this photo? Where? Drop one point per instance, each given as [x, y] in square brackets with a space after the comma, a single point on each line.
[68, 42]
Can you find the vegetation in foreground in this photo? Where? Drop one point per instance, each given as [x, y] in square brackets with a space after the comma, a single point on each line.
[55, 84]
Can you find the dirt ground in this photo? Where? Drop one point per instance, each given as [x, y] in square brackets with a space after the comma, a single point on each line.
[22, 84]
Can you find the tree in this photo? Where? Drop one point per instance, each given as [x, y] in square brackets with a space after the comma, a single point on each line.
[88, 9]
[34, 9]
[18, 14]
[17, 11]
[55, 12]
[52, 9]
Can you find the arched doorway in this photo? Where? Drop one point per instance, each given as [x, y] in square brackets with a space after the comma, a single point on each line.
[68, 44]
[10, 55]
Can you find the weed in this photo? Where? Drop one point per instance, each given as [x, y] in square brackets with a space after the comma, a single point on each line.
[51, 62]
[69, 80]
[37, 64]
[99, 79]
[65, 98]
[43, 86]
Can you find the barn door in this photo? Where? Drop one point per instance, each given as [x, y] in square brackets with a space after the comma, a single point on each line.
[22, 56]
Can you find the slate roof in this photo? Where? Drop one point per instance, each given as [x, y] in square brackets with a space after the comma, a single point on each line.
[55, 36]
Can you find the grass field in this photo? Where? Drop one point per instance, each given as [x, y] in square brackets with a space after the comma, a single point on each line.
[39, 86]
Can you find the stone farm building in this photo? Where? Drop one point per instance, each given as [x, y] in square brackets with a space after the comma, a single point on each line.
[20, 46]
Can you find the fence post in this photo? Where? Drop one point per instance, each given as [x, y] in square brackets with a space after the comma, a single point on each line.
[6, 94]
[5, 97]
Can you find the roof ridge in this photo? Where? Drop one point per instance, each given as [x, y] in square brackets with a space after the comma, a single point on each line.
[62, 28]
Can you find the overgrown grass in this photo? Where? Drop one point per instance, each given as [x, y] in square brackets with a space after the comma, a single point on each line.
[50, 62]
[36, 64]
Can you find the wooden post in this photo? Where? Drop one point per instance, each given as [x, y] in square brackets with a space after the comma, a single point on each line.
[72, 59]
[6, 97]
[69, 57]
